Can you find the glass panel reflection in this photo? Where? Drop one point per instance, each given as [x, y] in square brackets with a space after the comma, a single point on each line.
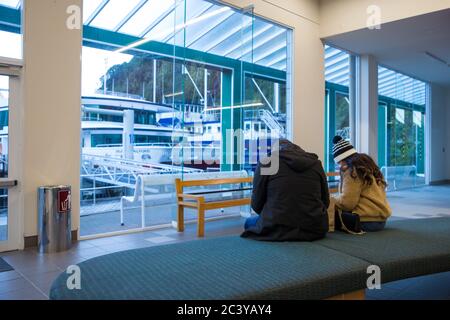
[163, 110]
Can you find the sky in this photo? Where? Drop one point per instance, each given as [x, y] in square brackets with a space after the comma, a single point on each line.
[13, 49]
[94, 67]
[93, 61]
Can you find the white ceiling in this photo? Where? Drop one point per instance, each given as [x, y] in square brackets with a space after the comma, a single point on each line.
[401, 45]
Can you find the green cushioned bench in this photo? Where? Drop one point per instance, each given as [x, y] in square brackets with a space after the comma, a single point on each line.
[405, 249]
[233, 268]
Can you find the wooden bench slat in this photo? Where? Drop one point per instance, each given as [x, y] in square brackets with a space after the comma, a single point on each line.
[199, 200]
[189, 196]
[188, 204]
[196, 183]
[227, 203]
[333, 174]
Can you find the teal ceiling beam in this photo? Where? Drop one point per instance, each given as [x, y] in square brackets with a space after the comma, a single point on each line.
[10, 19]
[104, 39]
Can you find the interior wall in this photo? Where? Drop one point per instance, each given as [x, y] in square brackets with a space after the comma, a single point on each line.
[52, 99]
[439, 134]
[340, 16]
[308, 84]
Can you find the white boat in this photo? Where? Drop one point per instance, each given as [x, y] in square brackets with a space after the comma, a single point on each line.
[162, 134]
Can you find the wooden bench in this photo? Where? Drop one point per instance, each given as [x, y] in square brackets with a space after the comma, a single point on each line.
[332, 175]
[197, 201]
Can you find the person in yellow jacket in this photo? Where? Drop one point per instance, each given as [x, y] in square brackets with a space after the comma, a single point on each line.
[363, 187]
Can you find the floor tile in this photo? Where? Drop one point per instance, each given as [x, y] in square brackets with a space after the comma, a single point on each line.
[44, 281]
[166, 232]
[62, 261]
[14, 285]
[125, 246]
[29, 293]
[160, 240]
[9, 275]
[31, 264]
[92, 252]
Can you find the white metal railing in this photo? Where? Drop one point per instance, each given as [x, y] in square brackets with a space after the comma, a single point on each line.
[121, 94]
[149, 144]
[106, 173]
[159, 190]
[344, 133]
[400, 177]
[270, 121]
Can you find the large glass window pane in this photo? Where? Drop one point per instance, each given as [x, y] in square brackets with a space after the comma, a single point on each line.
[10, 47]
[402, 100]
[90, 8]
[337, 100]
[10, 29]
[15, 4]
[113, 13]
[161, 109]
[146, 17]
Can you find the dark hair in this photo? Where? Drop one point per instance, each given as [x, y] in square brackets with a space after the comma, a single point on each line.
[363, 167]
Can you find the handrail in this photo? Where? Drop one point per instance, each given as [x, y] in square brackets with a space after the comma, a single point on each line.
[6, 184]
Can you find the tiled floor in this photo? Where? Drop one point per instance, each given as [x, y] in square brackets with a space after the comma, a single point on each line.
[421, 202]
[34, 273]
[109, 221]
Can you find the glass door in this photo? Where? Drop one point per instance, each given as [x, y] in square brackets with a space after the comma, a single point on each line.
[9, 239]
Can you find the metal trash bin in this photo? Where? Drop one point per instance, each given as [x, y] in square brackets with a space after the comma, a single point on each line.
[54, 219]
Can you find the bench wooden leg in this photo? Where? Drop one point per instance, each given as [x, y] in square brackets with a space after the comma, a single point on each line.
[180, 224]
[357, 295]
[201, 222]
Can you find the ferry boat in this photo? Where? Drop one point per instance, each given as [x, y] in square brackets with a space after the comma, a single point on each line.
[156, 131]
[163, 134]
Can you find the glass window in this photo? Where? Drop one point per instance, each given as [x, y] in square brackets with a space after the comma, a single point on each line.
[113, 13]
[401, 128]
[15, 4]
[165, 104]
[146, 17]
[337, 100]
[90, 8]
[10, 29]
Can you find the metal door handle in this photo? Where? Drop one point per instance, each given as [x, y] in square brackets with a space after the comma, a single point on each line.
[6, 184]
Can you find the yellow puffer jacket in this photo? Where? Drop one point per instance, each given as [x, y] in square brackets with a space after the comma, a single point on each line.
[368, 201]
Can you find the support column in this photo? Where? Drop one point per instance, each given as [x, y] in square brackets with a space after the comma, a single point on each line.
[205, 91]
[231, 121]
[128, 134]
[226, 120]
[154, 81]
[367, 113]
[352, 98]
[51, 103]
[276, 97]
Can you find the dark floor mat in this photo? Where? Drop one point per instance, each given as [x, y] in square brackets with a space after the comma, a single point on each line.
[4, 266]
